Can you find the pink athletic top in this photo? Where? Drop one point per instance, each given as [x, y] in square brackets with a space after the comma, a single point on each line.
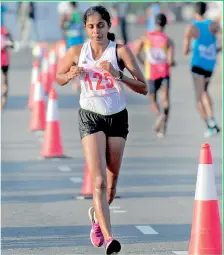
[156, 65]
[4, 51]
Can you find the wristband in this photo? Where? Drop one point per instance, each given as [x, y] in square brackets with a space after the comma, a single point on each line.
[120, 77]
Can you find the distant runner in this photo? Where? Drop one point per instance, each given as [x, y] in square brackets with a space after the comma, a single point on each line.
[159, 52]
[6, 42]
[203, 33]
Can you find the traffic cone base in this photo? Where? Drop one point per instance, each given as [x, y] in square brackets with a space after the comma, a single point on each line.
[87, 188]
[38, 117]
[208, 239]
[52, 147]
[38, 113]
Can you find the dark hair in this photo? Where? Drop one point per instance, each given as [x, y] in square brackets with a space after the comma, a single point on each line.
[73, 4]
[105, 15]
[200, 8]
[161, 20]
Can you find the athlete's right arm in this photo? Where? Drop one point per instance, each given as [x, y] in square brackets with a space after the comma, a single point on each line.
[68, 68]
[139, 44]
[187, 39]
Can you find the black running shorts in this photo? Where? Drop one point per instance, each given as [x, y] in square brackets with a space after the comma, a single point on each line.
[155, 85]
[5, 69]
[201, 71]
[115, 125]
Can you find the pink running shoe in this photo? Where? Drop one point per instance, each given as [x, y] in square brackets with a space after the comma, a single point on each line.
[96, 236]
[112, 246]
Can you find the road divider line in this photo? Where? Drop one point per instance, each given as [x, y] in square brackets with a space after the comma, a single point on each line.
[65, 169]
[119, 211]
[180, 252]
[76, 179]
[114, 207]
[147, 230]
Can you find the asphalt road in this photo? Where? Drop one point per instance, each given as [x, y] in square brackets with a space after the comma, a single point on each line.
[40, 212]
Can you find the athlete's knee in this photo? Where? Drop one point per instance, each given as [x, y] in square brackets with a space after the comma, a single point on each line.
[165, 103]
[5, 92]
[100, 183]
[199, 104]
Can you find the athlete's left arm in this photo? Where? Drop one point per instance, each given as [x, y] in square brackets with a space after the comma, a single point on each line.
[138, 84]
[187, 39]
[170, 52]
[216, 29]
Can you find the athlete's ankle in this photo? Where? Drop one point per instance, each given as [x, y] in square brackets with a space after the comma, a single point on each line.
[211, 122]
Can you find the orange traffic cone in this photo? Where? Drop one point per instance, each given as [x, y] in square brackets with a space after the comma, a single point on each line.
[206, 236]
[87, 189]
[37, 121]
[52, 145]
[34, 79]
[52, 66]
[45, 73]
[61, 52]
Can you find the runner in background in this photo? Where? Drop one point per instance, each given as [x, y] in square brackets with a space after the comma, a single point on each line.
[6, 43]
[26, 14]
[159, 57]
[73, 27]
[203, 34]
[64, 9]
[122, 12]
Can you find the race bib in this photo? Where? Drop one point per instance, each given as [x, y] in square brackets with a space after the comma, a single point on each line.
[98, 82]
[207, 52]
[74, 30]
[156, 55]
[3, 42]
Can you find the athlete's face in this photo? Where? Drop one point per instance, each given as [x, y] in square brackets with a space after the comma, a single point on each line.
[96, 27]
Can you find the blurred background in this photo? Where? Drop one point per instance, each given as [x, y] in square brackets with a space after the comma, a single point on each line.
[42, 21]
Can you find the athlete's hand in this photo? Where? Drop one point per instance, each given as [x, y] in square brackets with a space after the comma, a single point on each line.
[107, 67]
[172, 64]
[74, 72]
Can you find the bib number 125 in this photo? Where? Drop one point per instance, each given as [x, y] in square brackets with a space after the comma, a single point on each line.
[103, 82]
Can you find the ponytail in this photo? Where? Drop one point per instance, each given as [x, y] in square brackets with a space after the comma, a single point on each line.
[111, 36]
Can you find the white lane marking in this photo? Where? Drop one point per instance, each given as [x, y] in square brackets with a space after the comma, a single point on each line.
[65, 169]
[119, 211]
[114, 207]
[180, 252]
[147, 230]
[76, 179]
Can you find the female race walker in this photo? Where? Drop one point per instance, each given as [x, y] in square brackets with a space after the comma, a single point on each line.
[103, 119]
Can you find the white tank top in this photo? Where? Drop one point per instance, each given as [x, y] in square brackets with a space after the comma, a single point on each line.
[100, 92]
